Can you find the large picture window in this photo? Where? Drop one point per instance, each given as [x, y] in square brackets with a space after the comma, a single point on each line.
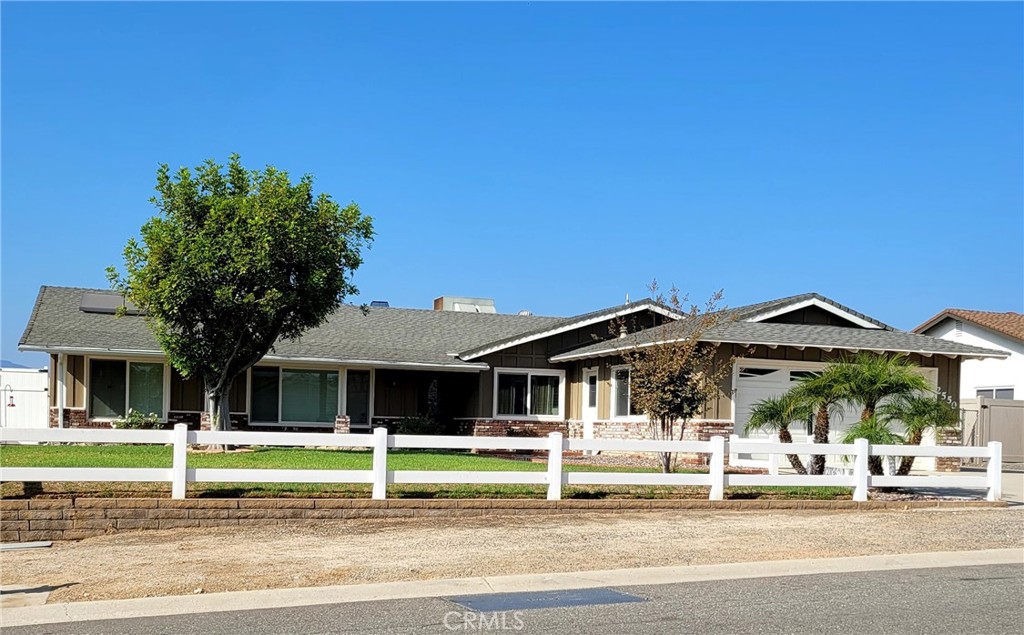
[528, 393]
[288, 395]
[115, 386]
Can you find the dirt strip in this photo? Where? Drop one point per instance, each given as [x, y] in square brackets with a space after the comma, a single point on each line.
[181, 561]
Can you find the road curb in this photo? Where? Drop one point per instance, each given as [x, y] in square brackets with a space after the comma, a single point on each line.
[308, 596]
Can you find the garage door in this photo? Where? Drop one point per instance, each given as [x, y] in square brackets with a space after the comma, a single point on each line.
[755, 383]
[759, 381]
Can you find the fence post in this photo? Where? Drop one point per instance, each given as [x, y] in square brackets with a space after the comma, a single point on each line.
[773, 458]
[179, 461]
[380, 463]
[716, 468]
[733, 456]
[860, 469]
[555, 466]
[995, 471]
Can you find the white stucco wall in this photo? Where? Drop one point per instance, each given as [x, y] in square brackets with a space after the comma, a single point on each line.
[985, 373]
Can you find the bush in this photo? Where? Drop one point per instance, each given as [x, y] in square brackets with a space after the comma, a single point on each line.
[418, 425]
[138, 421]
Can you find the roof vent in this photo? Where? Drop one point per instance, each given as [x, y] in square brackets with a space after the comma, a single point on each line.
[525, 312]
[466, 305]
[94, 302]
[380, 304]
[958, 328]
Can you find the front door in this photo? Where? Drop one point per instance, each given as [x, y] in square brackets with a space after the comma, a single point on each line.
[589, 401]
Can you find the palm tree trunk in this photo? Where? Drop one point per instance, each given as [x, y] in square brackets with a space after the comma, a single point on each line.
[794, 460]
[875, 466]
[907, 462]
[821, 425]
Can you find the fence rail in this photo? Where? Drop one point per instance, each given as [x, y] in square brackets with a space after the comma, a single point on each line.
[179, 475]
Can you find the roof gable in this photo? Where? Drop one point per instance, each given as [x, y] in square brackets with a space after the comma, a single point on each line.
[569, 324]
[1010, 324]
[773, 309]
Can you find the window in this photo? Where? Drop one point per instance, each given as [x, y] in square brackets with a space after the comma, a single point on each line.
[592, 391]
[287, 395]
[357, 397]
[622, 405]
[529, 394]
[995, 393]
[115, 386]
[309, 396]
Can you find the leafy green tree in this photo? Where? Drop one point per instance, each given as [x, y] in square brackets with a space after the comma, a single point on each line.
[775, 414]
[919, 414]
[235, 261]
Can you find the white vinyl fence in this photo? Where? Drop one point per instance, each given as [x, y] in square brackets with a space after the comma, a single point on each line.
[554, 477]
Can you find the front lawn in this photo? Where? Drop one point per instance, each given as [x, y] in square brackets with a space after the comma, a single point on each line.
[295, 458]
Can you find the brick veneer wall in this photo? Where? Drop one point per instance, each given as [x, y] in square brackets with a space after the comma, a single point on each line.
[74, 418]
[694, 431]
[502, 428]
[947, 463]
[24, 520]
[342, 424]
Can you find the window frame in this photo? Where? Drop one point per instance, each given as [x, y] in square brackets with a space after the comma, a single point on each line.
[165, 401]
[529, 373]
[993, 390]
[339, 405]
[614, 401]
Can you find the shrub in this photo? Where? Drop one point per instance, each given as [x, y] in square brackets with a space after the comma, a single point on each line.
[138, 421]
[419, 425]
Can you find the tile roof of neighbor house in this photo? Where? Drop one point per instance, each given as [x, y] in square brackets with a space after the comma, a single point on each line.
[408, 337]
[1009, 323]
[807, 335]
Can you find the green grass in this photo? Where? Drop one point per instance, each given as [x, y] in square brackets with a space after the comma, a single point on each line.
[276, 458]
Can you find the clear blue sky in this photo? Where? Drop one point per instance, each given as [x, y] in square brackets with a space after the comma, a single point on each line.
[553, 157]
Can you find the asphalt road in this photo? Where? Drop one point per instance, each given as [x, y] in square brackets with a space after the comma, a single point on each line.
[981, 599]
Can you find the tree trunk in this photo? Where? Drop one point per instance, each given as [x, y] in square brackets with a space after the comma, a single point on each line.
[821, 425]
[875, 466]
[907, 462]
[794, 460]
[666, 459]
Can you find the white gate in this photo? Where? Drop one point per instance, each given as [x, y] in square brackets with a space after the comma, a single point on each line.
[25, 398]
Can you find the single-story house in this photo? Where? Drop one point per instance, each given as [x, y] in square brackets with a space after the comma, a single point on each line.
[992, 378]
[485, 373]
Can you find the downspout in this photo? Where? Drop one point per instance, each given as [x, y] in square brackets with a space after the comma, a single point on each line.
[61, 390]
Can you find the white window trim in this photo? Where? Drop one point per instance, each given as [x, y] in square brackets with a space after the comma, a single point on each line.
[127, 384]
[529, 372]
[994, 389]
[613, 402]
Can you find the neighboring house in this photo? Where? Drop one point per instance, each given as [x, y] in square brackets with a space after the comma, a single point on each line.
[492, 374]
[993, 378]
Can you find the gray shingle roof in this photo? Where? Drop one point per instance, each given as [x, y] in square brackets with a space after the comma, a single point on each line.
[384, 335]
[751, 310]
[807, 335]
[564, 323]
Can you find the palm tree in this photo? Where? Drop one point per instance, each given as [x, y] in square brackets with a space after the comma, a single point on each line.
[775, 414]
[869, 378]
[877, 432]
[918, 414]
[821, 393]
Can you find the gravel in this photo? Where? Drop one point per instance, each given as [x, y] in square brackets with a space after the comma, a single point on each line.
[177, 562]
